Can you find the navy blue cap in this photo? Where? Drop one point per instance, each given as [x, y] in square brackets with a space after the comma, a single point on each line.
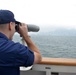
[7, 16]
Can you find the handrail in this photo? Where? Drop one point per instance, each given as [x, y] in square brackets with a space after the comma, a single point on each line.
[58, 61]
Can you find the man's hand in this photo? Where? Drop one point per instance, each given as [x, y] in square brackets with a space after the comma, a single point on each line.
[23, 30]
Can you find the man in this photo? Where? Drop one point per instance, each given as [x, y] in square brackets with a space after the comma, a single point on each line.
[13, 55]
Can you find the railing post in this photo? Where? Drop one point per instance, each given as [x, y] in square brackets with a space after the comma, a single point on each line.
[25, 68]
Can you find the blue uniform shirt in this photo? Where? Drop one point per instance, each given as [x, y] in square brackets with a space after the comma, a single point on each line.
[13, 55]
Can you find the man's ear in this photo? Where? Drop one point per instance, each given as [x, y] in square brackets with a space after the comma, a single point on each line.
[10, 26]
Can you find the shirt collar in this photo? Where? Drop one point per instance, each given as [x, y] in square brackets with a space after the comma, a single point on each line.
[3, 36]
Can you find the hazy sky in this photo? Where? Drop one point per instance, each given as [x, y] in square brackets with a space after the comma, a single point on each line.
[57, 13]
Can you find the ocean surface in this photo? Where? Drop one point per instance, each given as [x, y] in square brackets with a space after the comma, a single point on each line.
[54, 46]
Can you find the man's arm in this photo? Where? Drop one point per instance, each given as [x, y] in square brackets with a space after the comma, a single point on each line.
[24, 33]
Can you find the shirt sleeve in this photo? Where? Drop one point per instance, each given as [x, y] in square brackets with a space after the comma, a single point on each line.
[15, 54]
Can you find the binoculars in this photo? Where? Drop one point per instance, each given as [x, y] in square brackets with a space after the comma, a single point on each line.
[31, 28]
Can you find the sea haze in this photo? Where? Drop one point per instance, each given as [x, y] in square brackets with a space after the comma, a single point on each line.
[60, 31]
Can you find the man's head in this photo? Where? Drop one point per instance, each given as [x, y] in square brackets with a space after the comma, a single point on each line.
[7, 23]
[7, 16]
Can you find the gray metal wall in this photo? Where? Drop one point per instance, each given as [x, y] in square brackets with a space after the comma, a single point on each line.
[32, 73]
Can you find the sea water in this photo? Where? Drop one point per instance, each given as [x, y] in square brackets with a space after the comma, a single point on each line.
[54, 46]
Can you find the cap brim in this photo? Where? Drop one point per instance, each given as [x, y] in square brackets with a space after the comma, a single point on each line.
[17, 22]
